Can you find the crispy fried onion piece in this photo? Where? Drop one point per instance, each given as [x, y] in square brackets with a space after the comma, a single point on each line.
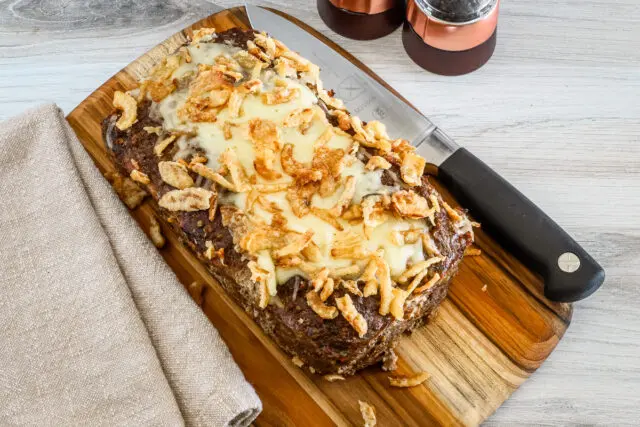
[374, 212]
[271, 188]
[434, 202]
[153, 130]
[428, 285]
[327, 289]
[159, 84]
[353, 213]
[417, 268]
[203, 34]
[159, 148]
[128, 191]
[346, 271]
[319, 307]
[238, 95]
[300, 63]
[417, 279]
[266, 141]
[429, 245]
[261, 277]
[213, 203]
[330, 162]
[229, 65]
[285, 68]
[384, 277]
[369, 278]
[343, 119]
[288, 262]
[412, 381]
[261, 237]
[140, 177]
[208, 93]
[246, 60]
[349, 312]
[408, 204]
[212, 253]
[348, 245]
[368, 413]
[229, 160]
[129, 107]
[334, 103]
[254, 50]
[319, 279]
[397, 304]
[312, 77]
[412, 169]
[312, 252]
[453, 214]
[208, 173]
[351, 286]
[155, 232]
[300, 118]
[280, 95]
[187, 200]
[198, 158]
[367, 136]
[227, 62]
[299, 198]
[292, 167]
[327, 217]
[410, 236]
[377, 129]
[175, 174]
[266, 43]
[296, 245]
[226, 129]
[345, 197]
[377, 162]
[401, 147]
[264, 203]
[235, 220]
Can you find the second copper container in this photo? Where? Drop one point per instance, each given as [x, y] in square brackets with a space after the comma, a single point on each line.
[451, 37]
[362, 19]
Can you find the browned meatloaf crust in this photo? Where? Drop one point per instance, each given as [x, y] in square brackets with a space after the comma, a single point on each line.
[325, 346]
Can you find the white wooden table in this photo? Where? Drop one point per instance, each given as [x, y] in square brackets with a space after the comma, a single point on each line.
[556, 111]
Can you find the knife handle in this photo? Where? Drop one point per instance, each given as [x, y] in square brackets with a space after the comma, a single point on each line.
[569, 272]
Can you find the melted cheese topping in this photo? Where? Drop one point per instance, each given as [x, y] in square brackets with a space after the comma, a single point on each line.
[210, 138]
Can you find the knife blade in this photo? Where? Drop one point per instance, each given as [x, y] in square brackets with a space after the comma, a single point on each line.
[569, 272]
[362, 95]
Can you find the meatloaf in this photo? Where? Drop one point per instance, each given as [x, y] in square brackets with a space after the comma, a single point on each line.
[323, 228]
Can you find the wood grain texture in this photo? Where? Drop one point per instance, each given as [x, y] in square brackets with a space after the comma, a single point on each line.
[492, 332]
[555, 111]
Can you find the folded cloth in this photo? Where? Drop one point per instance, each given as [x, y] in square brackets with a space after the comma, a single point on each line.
[95, 329]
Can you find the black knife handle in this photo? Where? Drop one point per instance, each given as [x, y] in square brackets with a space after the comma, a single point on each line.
[520, 225]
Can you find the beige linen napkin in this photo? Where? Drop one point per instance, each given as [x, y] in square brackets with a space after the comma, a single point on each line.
[95, 329]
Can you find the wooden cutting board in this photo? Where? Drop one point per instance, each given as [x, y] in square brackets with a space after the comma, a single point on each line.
[491, 333]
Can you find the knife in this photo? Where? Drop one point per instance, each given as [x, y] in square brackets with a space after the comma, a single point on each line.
[569, 272]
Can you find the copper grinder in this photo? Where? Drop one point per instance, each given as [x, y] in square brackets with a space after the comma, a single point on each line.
[450, 37]
[362, 19]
